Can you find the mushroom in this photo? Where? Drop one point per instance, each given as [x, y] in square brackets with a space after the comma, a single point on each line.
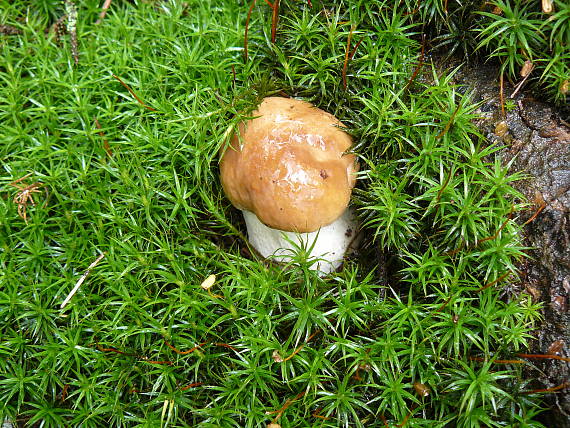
[288, 171]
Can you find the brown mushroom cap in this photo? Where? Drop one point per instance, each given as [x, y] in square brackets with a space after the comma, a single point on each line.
[288, 166]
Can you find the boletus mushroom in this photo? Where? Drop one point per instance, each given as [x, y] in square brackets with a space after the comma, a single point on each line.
[288, 170]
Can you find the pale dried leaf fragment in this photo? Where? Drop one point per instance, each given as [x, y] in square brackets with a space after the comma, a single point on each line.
[421, 389]
[104, 9]
[556, 347]
[81, 280]
[164, 407]
[25, 195]
[208, 282]
[501, 128]
[277, 356]
[527, 67]
[497, 10]
[547, 6]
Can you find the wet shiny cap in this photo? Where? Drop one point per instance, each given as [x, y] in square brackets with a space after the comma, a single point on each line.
[288, 166]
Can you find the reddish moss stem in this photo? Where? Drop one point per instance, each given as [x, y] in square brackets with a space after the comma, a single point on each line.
[192, 385]
[535, 215]
[490, 284]
[296, 351]
[420, 64]
[184, 352]
[245, 39]
[141, 102]
[274, 20]
[543, 357]
[553, 389]
[449, 123]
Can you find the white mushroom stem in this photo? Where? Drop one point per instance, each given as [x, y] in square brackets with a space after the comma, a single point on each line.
[328, 245]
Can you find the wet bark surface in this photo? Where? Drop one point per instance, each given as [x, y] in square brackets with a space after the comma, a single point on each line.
[537, 142]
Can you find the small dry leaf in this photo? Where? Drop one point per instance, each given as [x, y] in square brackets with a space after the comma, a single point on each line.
[277, 356]
[497, 10]
[538, 198]
[421, 389]
[547, 6]
[208, 282]
[558, 303]
[565, 86]
[556, 347]
[527, 68]
[501, 128]
[534, 292]
[273, 425]
[9, 30]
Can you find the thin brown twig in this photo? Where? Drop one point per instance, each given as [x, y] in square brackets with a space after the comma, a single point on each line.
[519, 85]
[133, 93]
[553, 389]
[103, 11]
[535, 215]
[543, 357]
[82, 279]
[20, 179]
